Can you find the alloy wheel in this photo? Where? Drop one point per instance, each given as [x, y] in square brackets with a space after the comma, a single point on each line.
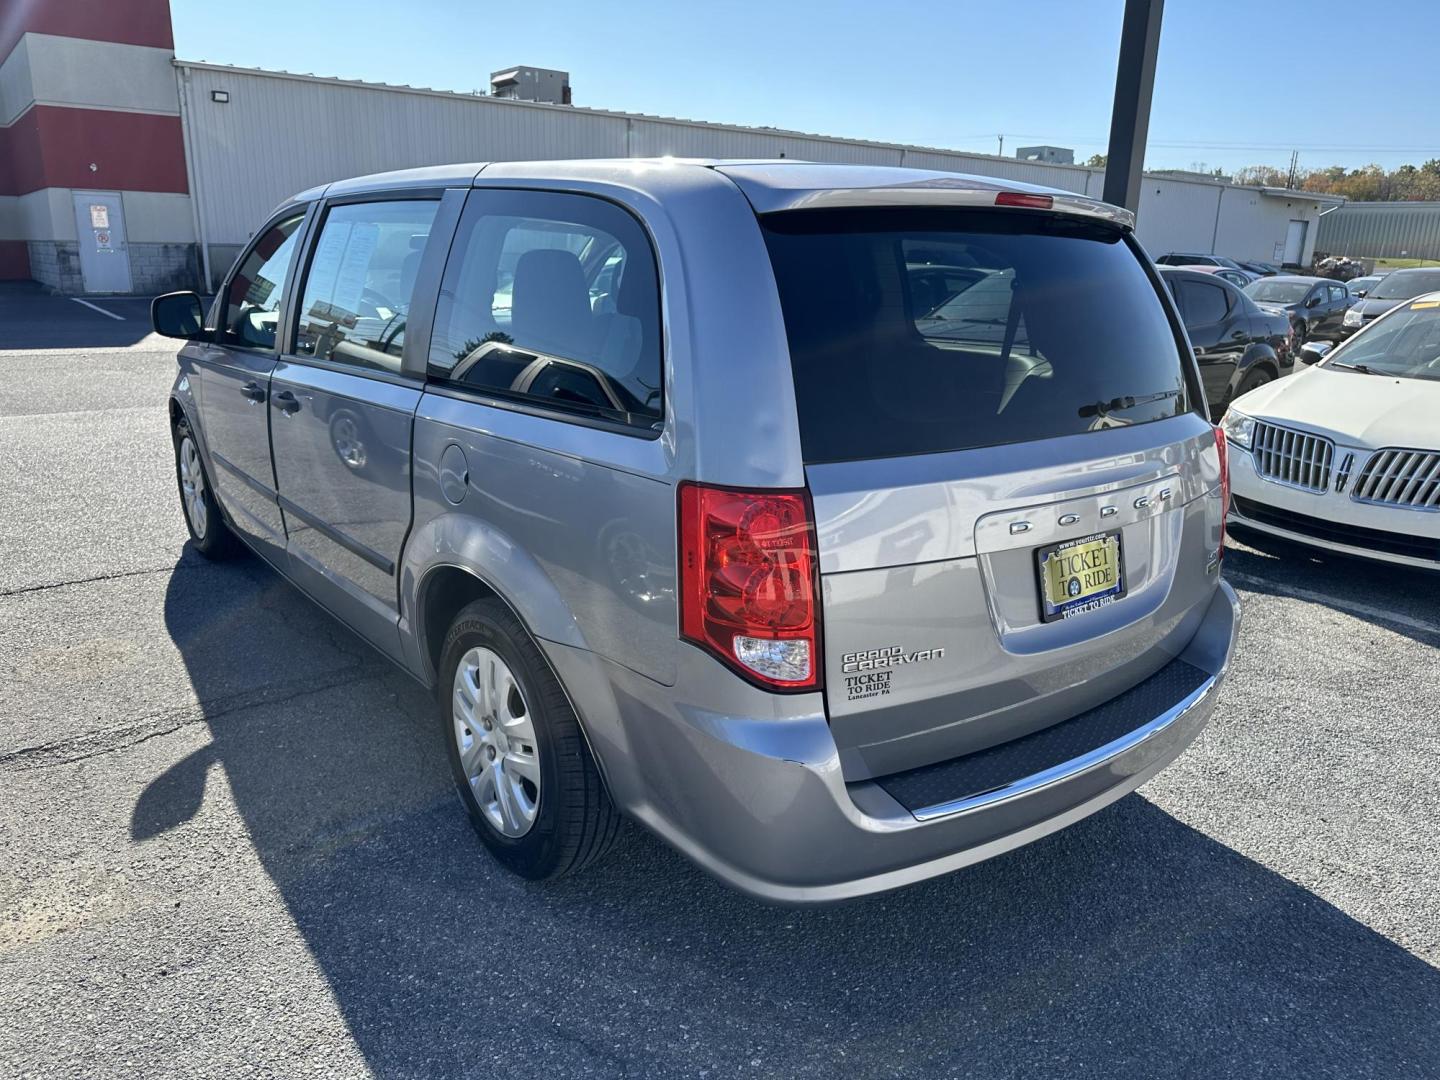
[192, 487]
[496, 740]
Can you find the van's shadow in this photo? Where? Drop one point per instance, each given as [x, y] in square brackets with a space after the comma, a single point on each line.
[1128, 945]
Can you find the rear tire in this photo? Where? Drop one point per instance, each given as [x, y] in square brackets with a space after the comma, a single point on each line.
[517, 755]
[209, 533]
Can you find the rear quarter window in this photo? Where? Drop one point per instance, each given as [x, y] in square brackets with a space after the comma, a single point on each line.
[915, 332]
[552, 300]
[1203, 302]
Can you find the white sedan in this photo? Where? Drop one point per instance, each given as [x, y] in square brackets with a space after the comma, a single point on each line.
[1345, 455]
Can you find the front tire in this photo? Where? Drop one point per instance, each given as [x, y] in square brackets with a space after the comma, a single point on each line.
[1253, 381]
[517, 755]
[209, 534]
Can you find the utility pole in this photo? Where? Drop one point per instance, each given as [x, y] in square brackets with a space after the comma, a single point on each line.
[1134, 87]
[1294, 168]
[1001, 151]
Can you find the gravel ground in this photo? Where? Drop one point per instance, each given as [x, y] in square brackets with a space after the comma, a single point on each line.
[230, 847]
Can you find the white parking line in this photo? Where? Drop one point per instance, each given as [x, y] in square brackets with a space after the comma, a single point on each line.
[1364, 611]
[94, 307]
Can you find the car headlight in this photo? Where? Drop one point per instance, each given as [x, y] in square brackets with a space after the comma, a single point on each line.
[1239, 429]
[1352, 317]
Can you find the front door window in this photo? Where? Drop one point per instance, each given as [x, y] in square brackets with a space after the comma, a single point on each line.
[252, 299]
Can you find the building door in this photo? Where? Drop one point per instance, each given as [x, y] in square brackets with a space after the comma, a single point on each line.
[104, 254]
[1295, 242]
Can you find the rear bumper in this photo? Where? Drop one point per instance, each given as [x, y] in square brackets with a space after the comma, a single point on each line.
[763, 805]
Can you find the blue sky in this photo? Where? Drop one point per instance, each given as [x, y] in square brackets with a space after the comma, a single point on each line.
[1239, 83]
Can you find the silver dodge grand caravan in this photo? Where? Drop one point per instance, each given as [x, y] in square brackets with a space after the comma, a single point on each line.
[842, 525]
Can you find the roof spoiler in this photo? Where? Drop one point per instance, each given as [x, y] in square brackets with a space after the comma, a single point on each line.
[933, 193]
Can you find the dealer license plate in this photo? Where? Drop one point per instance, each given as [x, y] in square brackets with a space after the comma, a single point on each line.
[1079, 575]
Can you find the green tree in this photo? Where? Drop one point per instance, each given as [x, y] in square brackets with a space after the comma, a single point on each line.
[1260, 176]
[1370, 184]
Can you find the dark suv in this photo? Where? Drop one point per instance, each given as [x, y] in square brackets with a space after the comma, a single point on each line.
[1397, 287]
[1238, 345]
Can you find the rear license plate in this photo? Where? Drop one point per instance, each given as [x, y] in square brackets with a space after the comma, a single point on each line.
[1079, 575]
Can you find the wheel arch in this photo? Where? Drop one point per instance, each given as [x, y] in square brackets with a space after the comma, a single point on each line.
[182, 409]
[442, 594]
[1259, 357]
[454, 560]
[446, 589]
[183, 406]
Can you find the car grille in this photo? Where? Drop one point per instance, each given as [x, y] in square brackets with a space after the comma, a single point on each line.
[1400, 478]
[1336, 532]
[1292, 457]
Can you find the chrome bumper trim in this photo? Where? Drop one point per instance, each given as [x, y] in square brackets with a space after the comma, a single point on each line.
[1066, 770]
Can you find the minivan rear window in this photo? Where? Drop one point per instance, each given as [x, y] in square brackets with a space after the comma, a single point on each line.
[916, 331]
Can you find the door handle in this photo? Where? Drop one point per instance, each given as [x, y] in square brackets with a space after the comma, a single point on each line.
[254, 391]
[1238, 335]
[286, 403]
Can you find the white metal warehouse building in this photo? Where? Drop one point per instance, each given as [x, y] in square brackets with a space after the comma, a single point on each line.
[125, 170]
[347, 128]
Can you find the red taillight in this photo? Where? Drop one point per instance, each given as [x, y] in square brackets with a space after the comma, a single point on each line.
[1224, 451]
[1023, 198]
[748, 582]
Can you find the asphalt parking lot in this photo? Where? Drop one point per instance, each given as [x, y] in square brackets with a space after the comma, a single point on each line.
[230, 845]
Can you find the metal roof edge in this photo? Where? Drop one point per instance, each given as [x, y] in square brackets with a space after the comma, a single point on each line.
[490, 99]
[1295, 193]
[744, 129]
[1408, 204]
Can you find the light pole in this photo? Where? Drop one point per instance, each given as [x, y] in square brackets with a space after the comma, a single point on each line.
[1134, 87]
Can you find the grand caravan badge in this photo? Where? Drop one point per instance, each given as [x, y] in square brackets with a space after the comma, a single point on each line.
[867, 673]
[892, 656]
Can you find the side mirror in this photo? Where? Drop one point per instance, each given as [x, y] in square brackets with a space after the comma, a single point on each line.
[1360, 293]
[178, 315]
[1313, 351]
[1313, 301]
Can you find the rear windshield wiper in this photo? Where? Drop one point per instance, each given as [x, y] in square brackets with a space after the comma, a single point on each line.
[1119, 404]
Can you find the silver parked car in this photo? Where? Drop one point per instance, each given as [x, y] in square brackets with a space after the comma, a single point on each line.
[842, 525]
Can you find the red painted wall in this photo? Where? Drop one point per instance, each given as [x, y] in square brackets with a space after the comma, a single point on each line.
[49, 146]
[14, 260]
[128, 22]
[52, 146]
